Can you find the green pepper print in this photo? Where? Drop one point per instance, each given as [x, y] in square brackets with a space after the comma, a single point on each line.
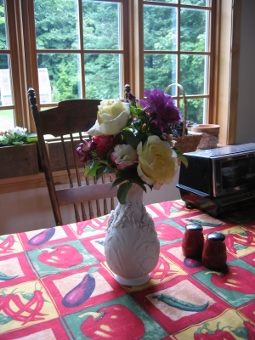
[4, 277]
[180, 304]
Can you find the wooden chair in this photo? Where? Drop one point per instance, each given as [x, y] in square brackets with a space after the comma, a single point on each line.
[68, 121]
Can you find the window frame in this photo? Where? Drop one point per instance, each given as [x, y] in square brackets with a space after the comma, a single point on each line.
[224, 64]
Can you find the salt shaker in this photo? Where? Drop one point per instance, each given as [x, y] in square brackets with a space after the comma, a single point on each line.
[193, 241]
[214, 253]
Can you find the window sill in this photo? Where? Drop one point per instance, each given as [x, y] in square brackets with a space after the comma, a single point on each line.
[14, 184]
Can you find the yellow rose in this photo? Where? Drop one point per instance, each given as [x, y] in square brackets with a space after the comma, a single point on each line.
[112, 117]
[157, 162]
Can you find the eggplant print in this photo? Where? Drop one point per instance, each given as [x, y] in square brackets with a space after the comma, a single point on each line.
[80, 293]
[42, 237]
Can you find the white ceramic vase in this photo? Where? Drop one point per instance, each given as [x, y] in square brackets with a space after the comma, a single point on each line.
[131, 243]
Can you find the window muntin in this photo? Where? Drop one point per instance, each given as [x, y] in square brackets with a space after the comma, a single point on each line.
[176, 49]
[102, 63]
[81, 73]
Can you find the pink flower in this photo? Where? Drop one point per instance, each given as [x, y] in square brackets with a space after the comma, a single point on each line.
[83, 151]
[124, 156]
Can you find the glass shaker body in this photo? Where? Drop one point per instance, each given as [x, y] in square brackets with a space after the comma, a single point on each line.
[193, 241]
[214, 253]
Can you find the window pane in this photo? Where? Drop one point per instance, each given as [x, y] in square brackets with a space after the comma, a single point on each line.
[101, 25]
[195, 110]
[6, 120]
[102, 75]
[192, 73]
[64, 79]
[169, 1]
[3, 42]
[159, 70]
[56, 24]
[193, 30]
[5, 83]
[196, 2]
[159, 28]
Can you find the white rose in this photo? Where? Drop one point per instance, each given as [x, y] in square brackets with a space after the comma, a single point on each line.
[123, 156]
[112, 117]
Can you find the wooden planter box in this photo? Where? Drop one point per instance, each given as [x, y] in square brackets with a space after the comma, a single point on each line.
[20, 160]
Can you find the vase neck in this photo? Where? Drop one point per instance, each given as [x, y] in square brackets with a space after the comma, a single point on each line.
[135, 195]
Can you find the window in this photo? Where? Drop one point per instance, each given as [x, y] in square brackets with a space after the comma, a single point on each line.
[89, 48]
[177, 50]
[6, 98]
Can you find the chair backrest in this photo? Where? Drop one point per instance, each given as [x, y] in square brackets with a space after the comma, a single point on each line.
[68, 122]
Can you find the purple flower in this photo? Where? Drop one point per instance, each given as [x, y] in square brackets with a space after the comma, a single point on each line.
[161, 108]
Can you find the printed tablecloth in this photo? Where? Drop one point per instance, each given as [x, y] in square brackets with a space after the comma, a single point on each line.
[55, 284]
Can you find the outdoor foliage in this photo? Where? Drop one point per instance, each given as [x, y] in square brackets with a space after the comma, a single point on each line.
[57, 29]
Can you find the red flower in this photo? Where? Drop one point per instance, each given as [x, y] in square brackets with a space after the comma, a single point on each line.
[102, 144]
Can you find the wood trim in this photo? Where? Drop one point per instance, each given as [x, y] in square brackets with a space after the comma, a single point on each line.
[14, 184]
[30, 52]
[234, 78]
[137, 85]
[227, 70]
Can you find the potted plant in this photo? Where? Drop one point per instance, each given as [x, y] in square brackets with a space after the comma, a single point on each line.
[18, 153]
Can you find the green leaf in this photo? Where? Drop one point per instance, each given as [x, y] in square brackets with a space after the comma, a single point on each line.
[17, 143]
[130, 138]
[182, 158]
[118, 181]
[123, 191]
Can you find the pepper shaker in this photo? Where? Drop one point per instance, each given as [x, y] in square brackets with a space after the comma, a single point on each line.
[193, 241]
[214, 253]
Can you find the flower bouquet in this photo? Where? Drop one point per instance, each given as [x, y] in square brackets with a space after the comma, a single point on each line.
[133, 140]
[17, 136]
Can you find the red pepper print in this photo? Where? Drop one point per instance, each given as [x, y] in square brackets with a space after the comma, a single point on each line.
[113, 323]
[15, 309]
[5, 245]
[245, 238]
[64, 256]
[233, 280]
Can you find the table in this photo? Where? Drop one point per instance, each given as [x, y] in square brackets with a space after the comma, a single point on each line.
[55, 284]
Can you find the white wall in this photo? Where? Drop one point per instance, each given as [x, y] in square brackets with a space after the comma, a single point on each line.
[245, 132]
[31, 209]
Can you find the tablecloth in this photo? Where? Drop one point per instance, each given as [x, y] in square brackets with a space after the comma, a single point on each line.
[55, 284]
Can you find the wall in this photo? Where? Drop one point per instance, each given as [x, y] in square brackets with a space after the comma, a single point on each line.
[27, 210]
[246, 95]
[31, 209]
